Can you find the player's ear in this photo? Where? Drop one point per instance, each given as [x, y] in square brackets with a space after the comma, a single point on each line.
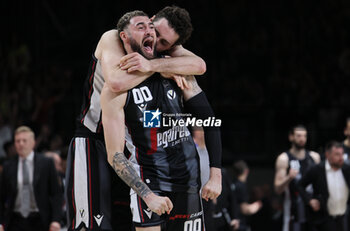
[123, 36]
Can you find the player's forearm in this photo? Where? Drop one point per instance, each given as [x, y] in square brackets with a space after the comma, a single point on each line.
[193, 89]
[215, 174]
[128, 174]
[281, 185]
[185, 65]
[120, 80]
[249, 209]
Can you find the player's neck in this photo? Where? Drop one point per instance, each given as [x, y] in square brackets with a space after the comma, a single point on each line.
[298, 153]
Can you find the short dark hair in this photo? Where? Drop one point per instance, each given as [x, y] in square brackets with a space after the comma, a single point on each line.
[297, 127]
[179, 19]
[333, 144]
[124, 21]
[239, 167]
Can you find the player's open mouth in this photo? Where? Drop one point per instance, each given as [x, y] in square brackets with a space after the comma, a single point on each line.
[148, 44]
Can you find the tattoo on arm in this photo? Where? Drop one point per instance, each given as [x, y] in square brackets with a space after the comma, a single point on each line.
[194, 85]
[128, 174]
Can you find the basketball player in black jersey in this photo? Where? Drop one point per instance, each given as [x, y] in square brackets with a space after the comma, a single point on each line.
[88, 187]
[162, 159]
[290, 167]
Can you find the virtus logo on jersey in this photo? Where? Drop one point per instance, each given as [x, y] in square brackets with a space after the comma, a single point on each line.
[151, 119]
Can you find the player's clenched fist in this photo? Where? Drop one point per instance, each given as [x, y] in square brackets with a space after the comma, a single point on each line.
[158, 204]
[212, 189]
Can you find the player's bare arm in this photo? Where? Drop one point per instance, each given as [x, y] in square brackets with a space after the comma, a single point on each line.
[212, 189]
[113, 120]
[110, 51]
[193, 88]
[282, 178]
[180, 62]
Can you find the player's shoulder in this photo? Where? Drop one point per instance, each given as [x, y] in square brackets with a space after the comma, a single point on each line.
[282, 159]
[109, 34]
[109, 41]
[315, 156]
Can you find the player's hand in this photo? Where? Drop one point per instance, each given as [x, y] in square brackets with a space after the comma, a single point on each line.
[179, 79]
[256, 206]
[212, 189]
[293, 173]
[55, 226]
[181, 82]
[135, 62]
[315, 205]
[158, 204]
[235, 224]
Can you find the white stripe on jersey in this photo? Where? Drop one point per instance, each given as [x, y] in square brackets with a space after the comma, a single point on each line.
[287, 206]
[93, 116]
[132, 149]
[81, 183]
[134, 206]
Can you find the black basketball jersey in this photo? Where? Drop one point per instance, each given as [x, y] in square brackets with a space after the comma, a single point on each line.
[90, 119]
[165, 156]
[297, 208]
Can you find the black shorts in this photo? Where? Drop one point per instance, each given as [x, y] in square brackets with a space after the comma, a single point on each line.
[186, 215]
[88, 192]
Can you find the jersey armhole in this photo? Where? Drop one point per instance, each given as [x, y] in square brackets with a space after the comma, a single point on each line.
[127, 100]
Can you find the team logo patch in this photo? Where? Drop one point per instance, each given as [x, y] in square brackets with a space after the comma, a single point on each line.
[151, 119]
[171, 94]
[148, 213]
[98, 219]
[82, 213]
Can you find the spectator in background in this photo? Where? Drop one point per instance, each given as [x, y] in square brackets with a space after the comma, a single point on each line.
[239, 187]
[346, 142]
[291, 165]
[10, 149]
[30, 198]
[58, 165]
[59, 168]
[5, 135]
[330, 181]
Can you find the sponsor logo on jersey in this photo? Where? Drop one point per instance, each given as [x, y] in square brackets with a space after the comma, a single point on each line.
[148, 213]
[186, 216]
[151, 119]
[142, 107]
[173, 136]
[294, 164]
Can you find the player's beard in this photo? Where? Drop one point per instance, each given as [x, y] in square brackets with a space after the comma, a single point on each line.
[137, 48]
[299, 146]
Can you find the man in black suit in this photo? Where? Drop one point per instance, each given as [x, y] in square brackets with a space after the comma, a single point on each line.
[330, 181]
[30, 195]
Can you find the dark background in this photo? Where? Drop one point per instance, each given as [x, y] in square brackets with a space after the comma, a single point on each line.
[270, 65]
